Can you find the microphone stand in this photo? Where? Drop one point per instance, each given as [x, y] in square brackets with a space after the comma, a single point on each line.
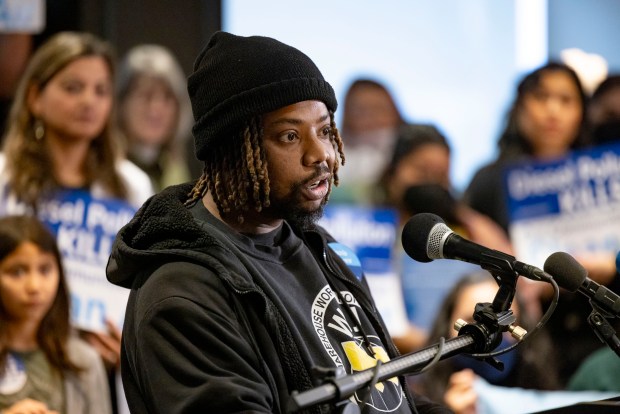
[602, 328]
[340, 387]
[482, 336]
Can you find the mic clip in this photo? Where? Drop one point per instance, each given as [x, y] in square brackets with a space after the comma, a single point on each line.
[488, 328]
[487, 331]
[602, 328]
[500, 265]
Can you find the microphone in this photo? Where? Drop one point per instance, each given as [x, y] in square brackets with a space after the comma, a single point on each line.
[572, 276]
[426, 237]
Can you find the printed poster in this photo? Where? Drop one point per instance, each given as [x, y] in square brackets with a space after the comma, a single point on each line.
[570, 205]
[371, 234]
[85, 229]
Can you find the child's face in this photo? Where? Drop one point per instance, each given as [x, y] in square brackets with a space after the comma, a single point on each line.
[28, 283]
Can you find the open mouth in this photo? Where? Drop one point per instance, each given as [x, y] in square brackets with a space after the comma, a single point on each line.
[315, 184]
[317, 188]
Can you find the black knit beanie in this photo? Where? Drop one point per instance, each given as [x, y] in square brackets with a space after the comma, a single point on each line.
[236, 78]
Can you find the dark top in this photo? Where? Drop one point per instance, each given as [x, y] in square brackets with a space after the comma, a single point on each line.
[222, 322]
[485, 194]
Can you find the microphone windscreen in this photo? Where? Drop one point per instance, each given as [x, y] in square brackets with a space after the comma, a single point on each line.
[566, 271]
[416, 233]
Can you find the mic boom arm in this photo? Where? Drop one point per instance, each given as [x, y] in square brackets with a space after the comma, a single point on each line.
[340, 388]
[476, 338]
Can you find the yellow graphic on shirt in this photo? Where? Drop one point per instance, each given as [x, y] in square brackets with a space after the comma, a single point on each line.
[360, 360]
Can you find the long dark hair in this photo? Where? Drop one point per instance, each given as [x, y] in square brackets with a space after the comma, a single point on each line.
[54, 330]
[28, 163]
[536, 369]
[512, 142]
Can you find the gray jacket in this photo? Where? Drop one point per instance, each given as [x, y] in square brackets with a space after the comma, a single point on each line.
[86, 392]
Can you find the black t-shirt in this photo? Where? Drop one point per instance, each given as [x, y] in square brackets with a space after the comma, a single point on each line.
[330, 327]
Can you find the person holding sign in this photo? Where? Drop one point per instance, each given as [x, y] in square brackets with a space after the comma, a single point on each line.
[546, 123]
[546, 120]
[237, 297]
[60, 134]
[61, 162]
[44, 368]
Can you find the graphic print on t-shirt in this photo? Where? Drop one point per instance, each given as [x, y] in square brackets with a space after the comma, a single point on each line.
[345, 344]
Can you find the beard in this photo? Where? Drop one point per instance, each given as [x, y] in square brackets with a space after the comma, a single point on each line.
[304, 219]
[290, 208]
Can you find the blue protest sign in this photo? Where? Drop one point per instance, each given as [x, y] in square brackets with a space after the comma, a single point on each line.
[571, 204]
[85, 228]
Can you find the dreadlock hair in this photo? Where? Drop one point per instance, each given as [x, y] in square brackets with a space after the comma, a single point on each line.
[235, 172]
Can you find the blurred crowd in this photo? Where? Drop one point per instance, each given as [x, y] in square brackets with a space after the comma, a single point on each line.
[80, 118]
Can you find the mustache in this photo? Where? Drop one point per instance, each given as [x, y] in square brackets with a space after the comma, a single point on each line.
[319, 171]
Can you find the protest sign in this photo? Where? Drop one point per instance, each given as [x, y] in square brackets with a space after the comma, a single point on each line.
[85, 228]
[371, 234]
[570, 204]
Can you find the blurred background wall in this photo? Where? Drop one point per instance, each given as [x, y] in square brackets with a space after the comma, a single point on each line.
[452, 62]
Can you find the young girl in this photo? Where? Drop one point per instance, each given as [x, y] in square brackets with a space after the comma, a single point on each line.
[44, 369]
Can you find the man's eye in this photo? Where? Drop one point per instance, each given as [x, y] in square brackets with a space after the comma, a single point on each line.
[289, 137]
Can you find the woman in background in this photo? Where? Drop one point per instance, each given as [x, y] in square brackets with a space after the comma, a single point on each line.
[546, 121]
[60, 131]
[370, 122]
[417, 180]
[44, 368]
[62, 143]
[155, 114]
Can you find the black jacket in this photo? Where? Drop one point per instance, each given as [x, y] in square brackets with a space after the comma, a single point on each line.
[200, 334]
